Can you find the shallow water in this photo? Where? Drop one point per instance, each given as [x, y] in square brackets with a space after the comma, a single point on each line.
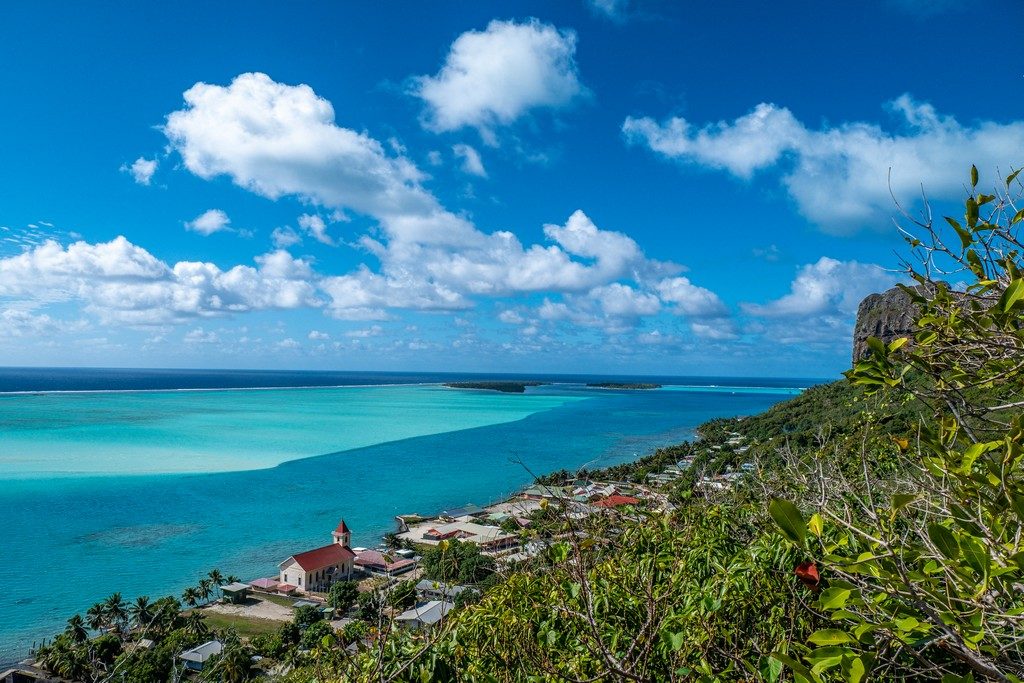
[389, 450]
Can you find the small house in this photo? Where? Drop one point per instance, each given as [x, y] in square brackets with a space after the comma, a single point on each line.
[424, 617]
[196, 658]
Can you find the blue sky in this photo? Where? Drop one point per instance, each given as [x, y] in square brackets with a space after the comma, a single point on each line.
[607, 186]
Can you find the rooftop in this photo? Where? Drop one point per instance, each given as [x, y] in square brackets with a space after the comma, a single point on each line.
[329, 555]
[427, 613]
[203, 652]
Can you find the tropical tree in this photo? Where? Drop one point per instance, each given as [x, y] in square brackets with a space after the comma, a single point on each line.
[205, 589]
[403, 595]
[96, 617]
[217, 579]
[234, 665]
[191, 596]
[116, 611]
[343, 595]
[76, 629]
[195, 624]
[141, 612]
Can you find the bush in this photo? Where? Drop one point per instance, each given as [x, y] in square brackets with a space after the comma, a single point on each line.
[343, 595]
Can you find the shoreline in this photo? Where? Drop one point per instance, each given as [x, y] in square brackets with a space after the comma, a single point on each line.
[504, 494]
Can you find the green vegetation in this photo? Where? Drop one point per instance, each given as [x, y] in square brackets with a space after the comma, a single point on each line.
[343, 595]
[457, 562]
[877, 536]
[507, 387]
[623, 385]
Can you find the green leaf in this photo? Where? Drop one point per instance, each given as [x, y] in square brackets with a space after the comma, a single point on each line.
[674, 641]
[798, 668]
[965, 236]
[944, 540]
[1017, 217]
[854, 670]
[816, 524]
[830, 636]
[834, 598]
[970, 455]
[902, 500]
[974, 175]
[1010, 178]
[976, 556]
[897, 344]
[789, 520]
[974, 261]
[827, 657]
[876, 345]
[1013, 293]
[972, 212]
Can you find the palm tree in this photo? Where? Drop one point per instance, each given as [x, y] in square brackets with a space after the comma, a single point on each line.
[96, 617]
[235, 662]
[205, 589]
[167, 612]
[141, 611]
[76, 629]
[190, 596]
[195, 624]
[117, 615]
[232, 579]
[217, 578]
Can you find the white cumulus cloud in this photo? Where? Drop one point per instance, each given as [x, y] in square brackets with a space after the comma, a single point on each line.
[471, 161]
[142, 170]
[316, 227]
[492, 77]
[209, 222]
[839, 175]
[827, 287]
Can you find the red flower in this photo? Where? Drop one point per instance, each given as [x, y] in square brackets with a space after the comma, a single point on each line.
[807, 572]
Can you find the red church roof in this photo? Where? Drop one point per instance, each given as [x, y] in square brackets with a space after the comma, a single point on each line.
[329, 555]
[342, 528]
[616, 501]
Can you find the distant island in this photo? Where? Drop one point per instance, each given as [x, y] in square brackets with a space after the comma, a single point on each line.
[505, 387]
[623, 385]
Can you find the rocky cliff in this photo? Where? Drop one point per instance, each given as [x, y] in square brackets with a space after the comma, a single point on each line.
[888, 316]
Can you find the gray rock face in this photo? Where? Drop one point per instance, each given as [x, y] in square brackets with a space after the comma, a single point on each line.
[888, 316]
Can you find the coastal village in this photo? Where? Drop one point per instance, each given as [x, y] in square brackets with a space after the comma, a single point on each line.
[505, 533]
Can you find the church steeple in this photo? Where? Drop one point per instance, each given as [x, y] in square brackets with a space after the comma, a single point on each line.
[342, 535]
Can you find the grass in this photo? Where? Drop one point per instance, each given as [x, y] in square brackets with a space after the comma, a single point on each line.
[282, 600]
[246, 627]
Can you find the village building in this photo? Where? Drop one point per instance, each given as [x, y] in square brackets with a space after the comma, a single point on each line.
[376, 562]
[235, 593]
[423, 617]
[196, 658]
[315, 570]
[438, 590]
[489, 538]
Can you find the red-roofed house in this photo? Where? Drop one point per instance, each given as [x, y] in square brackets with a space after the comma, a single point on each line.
[378, 562]
[616, 501]
[316, 570]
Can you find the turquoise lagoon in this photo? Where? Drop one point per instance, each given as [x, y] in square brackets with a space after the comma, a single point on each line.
[143, 492]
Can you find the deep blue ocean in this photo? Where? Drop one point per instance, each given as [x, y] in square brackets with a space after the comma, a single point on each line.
[142, 486]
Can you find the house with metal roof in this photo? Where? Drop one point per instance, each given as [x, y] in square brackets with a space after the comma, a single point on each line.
[196, 658]
[439, 590]
[487, 537]
[424, 616]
